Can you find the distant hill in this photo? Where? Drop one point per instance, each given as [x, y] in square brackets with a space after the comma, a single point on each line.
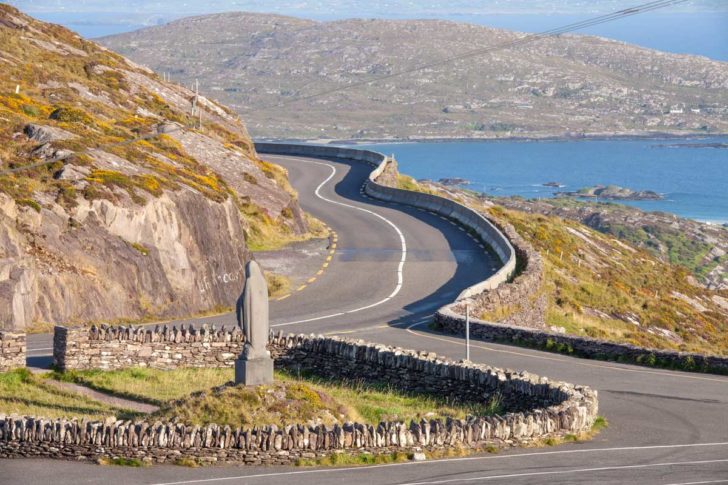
[565, 86]
[98, 225]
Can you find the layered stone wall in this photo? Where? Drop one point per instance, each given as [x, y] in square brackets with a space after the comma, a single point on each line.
[105, 347]
[454, 323]
[548, 409]
[12, 351]
[520, 302]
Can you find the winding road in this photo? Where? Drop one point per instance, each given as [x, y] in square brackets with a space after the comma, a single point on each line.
[391, 267]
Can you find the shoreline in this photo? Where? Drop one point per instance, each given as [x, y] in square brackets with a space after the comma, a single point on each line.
[657, 136]
[627, 203]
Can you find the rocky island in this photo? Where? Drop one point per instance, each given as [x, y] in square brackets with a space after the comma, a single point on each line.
[612, 192]
[453, 181]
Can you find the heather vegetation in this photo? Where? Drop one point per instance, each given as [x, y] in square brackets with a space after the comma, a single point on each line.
[111, 187]
[96, 96]
[602, 286]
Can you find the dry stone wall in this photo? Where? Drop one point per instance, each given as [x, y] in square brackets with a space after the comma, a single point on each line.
[117, 347]
[12, 351]
[522, 301]
[453, 323]
[550, 409]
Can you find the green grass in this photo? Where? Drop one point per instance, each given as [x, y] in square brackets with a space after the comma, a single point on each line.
[600, 423]
[24, 393]
[345, 459]
[120, 461]
[378, 402]
[294, 400]
[278, 285]
[149, 385]
[289, 399]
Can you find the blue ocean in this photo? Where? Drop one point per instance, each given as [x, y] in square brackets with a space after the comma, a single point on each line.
[694, 180]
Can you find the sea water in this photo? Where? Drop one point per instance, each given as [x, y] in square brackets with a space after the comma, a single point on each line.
[693, 180]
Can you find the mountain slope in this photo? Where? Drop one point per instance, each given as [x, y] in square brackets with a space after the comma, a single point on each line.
[113, 204]
[598, 286]
[568, 85]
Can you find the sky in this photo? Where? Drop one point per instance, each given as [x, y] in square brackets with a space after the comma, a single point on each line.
[694, 27]
[367, 8]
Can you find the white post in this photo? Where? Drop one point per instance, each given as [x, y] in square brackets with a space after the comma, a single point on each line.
[17, 89]
[467, 332]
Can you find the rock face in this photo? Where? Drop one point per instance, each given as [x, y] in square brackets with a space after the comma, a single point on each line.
[570, 85]
[139, 211]
[175, 255]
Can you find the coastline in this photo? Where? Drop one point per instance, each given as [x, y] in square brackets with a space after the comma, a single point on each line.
[657, 136]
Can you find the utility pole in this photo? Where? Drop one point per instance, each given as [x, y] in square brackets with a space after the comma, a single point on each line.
[197, 103]
[467, 332]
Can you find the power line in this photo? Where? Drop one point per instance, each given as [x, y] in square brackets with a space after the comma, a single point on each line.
[628, 12]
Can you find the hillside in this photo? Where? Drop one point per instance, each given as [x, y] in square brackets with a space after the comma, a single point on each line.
[701, 248]
[127, 210]
[564, 86]
[599, 286]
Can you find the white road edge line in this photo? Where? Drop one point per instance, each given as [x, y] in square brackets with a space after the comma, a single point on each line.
[571, 360]
[400, 267]
[566, 472]
[447, 460]
[699, 483]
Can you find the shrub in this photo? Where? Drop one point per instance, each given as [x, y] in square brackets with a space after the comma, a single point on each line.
[69, 114]
[29, 203]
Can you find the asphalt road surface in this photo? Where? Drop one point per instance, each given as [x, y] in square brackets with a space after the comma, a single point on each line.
[391, 268]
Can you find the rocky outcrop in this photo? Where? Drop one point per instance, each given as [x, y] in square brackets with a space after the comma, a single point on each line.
[612, 192]
[124, 207]
[177, 254]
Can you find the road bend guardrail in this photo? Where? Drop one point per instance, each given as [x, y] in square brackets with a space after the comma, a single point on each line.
[469, 218]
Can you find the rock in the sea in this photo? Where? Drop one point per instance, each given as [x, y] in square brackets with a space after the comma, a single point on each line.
[454, 181]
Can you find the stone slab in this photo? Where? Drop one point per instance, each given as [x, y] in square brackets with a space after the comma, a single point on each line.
[254, 372]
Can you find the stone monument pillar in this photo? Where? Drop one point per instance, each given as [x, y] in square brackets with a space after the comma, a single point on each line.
[254, 365]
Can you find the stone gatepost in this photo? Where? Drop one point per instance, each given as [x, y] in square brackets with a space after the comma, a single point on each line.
[255, 365]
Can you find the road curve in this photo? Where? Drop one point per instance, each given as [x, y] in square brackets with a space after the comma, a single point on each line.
[665, 427]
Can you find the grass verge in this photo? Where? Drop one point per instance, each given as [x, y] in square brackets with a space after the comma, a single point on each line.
[120, 461]
[290, 399]
[24, 393]
[278, 285]
[153, 386]
[360, 459]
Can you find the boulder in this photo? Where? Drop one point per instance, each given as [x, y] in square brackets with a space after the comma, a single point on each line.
[46, 134]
